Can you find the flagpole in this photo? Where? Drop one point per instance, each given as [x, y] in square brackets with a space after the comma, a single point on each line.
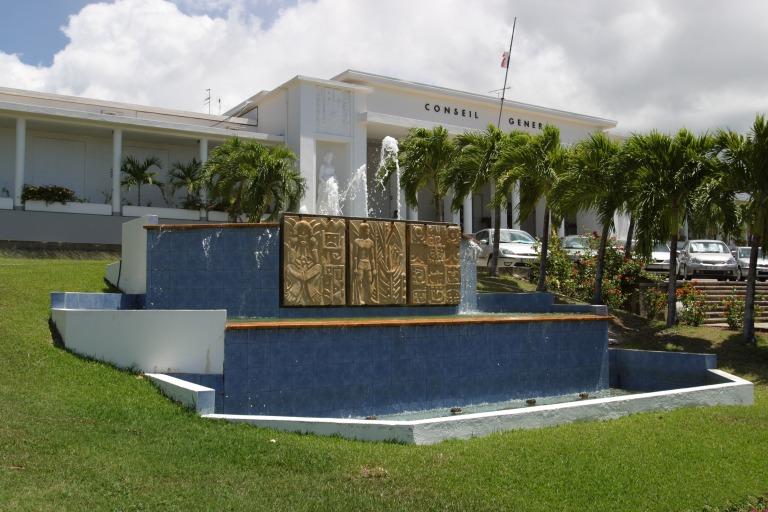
[506, 73]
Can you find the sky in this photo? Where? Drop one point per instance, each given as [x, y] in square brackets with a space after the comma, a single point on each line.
[700, 64]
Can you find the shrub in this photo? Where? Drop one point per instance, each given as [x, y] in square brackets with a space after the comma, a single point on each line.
[49, 194]
[694, 306]
[734, 312]
[655, 302]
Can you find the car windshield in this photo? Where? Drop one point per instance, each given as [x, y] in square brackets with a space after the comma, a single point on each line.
[577, 242]
[744, 252]
[520, 237]
[709, 247]
[661, 248]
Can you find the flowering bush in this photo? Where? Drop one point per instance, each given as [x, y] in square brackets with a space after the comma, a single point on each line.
[655, 302]
[621, 274]
[734, 311]
[694, 306]
[49, 194]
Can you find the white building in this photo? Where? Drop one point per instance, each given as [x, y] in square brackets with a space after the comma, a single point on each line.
[48, 139]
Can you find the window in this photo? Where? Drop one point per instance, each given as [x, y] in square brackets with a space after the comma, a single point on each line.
[708, 247]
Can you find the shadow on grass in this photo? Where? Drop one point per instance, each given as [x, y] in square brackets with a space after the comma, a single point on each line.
[636, 332]
[503, 283]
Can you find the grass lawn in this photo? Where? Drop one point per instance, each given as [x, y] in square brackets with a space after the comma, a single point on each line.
[80, 435]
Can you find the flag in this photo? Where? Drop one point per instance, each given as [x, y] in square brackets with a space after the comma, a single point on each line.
[505, 60]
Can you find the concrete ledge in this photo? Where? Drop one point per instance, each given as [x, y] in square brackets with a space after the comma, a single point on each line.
[175, 341]
[198, 398]
[731, 391]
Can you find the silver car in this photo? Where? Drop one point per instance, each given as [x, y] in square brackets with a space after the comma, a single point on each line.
[577, 246]
[742, 255]
[516, 247]
[707, 258]
[659, 261]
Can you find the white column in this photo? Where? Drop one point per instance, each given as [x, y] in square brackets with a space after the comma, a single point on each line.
[450, 216]
[117, 160]
[203, 148]
[467, 207]
[21, 154]
[504, 223]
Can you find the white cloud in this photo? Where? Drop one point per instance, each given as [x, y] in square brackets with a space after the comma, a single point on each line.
[645, 63]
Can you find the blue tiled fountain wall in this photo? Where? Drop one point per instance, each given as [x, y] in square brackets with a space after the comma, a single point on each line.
[373, 370]
[237, 269]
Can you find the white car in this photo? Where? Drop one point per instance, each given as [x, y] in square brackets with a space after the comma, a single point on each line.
[577, 246]
[742, 255]
[659, 261]
[707, 258]
[516, 247]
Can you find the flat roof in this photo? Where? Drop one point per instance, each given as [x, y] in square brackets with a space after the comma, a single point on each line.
[365, 78]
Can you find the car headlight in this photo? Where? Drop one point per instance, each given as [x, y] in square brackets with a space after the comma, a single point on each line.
[507, 252]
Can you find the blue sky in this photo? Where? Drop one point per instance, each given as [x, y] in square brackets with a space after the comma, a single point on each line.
[32, 28]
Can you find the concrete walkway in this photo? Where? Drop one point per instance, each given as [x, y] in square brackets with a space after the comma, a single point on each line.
[759, 326]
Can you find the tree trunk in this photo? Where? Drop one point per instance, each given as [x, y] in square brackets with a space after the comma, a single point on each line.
[439, 208]
[542, 284]
[672, 285]
[749, 300]
[496, 236]
[597, 296]
[630, 234]
[138, 189]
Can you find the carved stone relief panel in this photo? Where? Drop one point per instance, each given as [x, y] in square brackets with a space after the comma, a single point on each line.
[377, 272]
[314, 261]
[435, 276]
[334, 111]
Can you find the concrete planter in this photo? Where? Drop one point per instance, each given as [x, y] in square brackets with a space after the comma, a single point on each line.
[218, 216]
[81, 208]
[164, 213]
[6, 203]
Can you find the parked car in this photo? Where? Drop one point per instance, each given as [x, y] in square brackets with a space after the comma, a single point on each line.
[659, 261]
[516, 247]
[742, 257]
[576, 246]
[707, 258]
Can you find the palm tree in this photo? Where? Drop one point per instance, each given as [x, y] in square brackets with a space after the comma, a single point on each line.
[543, 160]
[595, 180]
[187, 176]
[474, 166]
[253, 179]
[747, 158]
[137, 173]
[424, 157]
[671, 169]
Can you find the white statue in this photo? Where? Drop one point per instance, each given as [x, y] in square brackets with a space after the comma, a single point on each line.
[328, 199]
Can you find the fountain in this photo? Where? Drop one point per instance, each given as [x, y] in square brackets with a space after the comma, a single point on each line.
[316, 323]
[389, 166]
[331, 200]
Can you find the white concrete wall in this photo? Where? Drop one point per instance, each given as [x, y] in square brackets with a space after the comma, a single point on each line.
[198, 398]
[272, 114]
[133, 271]
[160, 341]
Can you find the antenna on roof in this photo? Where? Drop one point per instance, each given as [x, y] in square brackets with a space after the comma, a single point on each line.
[498, 91]
[219, 106]
[208, 100]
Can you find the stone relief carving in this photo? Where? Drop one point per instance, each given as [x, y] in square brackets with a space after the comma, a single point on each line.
[435, 276]
[377, 273]
[316, 272]
[314, 261]
[334, 111]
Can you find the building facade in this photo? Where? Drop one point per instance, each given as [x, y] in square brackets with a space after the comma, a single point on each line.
[336, 127]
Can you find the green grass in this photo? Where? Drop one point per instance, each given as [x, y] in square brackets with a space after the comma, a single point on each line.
[80, 435]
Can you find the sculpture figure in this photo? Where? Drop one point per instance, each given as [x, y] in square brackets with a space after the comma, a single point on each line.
[364, 270]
